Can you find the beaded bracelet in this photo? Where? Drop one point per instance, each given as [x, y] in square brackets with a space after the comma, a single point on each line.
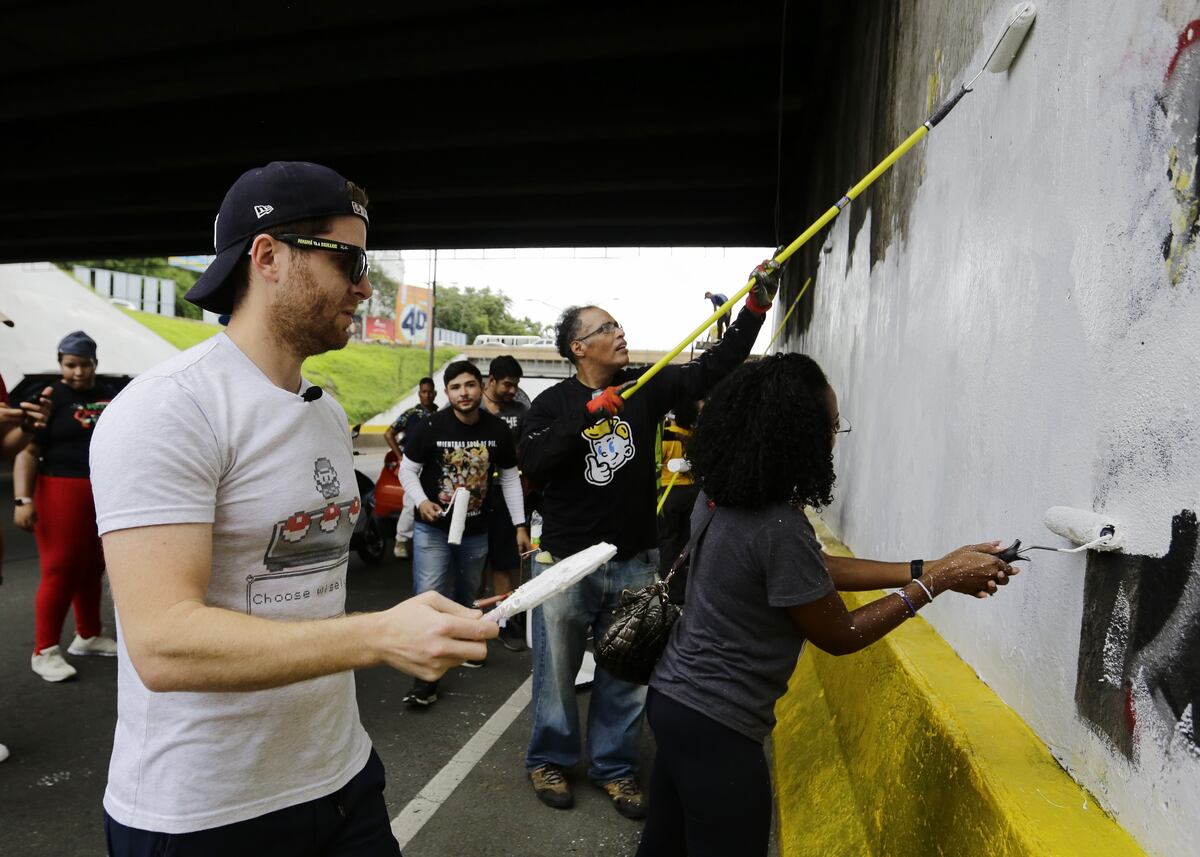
[912, 611]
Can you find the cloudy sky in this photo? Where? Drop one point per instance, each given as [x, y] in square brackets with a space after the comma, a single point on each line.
[657, 293]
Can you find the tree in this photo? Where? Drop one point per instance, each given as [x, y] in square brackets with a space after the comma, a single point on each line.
[474, 311]
[384, 288]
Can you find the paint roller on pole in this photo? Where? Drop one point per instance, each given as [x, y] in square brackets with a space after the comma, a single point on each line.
[1020, 19]
[1088, 530]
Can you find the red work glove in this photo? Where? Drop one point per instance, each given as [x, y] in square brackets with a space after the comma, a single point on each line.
[609, 402]
[766, 284]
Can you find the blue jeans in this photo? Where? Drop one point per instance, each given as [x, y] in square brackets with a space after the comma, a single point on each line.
[560, 629]
[452, 570]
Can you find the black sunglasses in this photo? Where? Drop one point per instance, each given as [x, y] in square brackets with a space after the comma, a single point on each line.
[359, 266]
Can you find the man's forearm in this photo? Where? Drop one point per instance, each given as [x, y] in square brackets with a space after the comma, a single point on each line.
[410, 481]
[193, 647]
[24, 473]
[12, 440]
[851, 574]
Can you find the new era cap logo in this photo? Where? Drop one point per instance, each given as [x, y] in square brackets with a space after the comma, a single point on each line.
[262, 211]
[359, 210]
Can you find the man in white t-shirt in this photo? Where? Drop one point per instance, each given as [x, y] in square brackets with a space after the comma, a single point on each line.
[226, 496]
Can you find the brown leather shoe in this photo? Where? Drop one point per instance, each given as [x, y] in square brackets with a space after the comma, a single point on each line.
[627, 797]
[552, 787]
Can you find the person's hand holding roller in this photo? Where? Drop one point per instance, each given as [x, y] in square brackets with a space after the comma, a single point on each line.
[766, 284]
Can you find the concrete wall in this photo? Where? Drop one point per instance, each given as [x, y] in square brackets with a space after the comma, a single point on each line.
[1012, 321]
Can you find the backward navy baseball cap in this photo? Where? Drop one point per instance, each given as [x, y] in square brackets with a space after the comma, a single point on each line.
[264, 197]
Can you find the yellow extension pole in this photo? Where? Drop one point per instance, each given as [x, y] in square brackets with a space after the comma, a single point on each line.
[663, 499]
[791, 310]
[786, 252]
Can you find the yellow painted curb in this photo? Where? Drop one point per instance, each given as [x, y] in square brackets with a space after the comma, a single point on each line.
[901, 749]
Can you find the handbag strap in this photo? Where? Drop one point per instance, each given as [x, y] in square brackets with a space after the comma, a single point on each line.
[691, 545]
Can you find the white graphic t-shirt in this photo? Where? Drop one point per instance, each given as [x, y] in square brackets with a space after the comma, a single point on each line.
[207, 438]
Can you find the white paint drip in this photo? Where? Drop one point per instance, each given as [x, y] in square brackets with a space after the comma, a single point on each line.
[1116, 639]
[1183, 741]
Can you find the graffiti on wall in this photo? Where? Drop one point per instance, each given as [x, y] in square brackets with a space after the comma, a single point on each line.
[1180, 104]
[1139, 648]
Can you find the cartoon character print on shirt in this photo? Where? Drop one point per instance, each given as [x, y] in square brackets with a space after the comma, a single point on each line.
[87, 414]
[611, 445]
[307, 544]
[465, 467]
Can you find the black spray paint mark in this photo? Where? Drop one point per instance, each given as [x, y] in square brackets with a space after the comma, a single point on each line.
[1139, 647]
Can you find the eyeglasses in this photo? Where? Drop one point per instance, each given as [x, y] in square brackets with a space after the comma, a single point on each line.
[607, 327]
[842, 426]
[359, 266]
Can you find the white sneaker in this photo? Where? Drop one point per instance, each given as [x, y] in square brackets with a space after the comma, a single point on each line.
[400, 551]
[3, 752]
[50, 665]
[97, 645]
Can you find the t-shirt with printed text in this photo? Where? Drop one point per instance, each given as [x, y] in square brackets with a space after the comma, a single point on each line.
[453, 454]
[65, 439]
[207, 438]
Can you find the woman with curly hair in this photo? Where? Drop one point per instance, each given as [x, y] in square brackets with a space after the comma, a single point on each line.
[759, 586]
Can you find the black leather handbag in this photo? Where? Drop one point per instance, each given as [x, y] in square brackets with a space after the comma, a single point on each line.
[641, 624]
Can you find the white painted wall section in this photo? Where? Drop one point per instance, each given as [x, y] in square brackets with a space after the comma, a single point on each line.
[1032, 339]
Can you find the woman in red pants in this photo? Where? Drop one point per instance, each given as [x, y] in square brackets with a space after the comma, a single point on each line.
[60, 512]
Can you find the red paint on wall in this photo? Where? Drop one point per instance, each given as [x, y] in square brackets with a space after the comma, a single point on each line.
[1189, 36]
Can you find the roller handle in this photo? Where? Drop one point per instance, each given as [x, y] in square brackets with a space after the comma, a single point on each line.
[1012, 553]
[944, 111]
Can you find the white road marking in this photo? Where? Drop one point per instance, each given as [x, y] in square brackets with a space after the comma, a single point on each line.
[430, 799]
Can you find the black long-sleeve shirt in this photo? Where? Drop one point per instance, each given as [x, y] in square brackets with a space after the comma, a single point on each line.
[598, 482]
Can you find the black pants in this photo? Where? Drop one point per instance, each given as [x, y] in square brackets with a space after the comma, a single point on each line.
[351, 821]
[710, 792]
[722, 325]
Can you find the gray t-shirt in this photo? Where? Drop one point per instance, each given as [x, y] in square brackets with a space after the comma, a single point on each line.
[735, 647]
[207, 438]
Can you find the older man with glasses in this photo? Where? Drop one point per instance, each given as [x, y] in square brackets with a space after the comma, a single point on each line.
[593, 456]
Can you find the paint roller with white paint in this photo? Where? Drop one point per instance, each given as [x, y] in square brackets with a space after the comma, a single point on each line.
[1020, 19]
[1088, 530]
[458, 515]
[562, 575]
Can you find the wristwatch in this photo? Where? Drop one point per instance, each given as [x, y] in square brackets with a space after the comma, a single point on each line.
[917, 567]
[22, 501]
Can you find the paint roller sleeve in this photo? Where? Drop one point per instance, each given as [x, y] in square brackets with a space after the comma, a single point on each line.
[1082, 527]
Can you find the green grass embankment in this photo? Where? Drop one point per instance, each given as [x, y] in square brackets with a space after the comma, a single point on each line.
[367, 378]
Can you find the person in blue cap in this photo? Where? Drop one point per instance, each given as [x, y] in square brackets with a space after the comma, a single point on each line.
[226, 498]
[53, 499]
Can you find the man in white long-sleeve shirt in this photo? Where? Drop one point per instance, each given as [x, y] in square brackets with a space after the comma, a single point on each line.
[458, 447]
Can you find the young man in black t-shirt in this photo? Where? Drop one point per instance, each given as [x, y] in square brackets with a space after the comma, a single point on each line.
[395, 436]
[458, 447]
[593, 455]
[500, 399]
